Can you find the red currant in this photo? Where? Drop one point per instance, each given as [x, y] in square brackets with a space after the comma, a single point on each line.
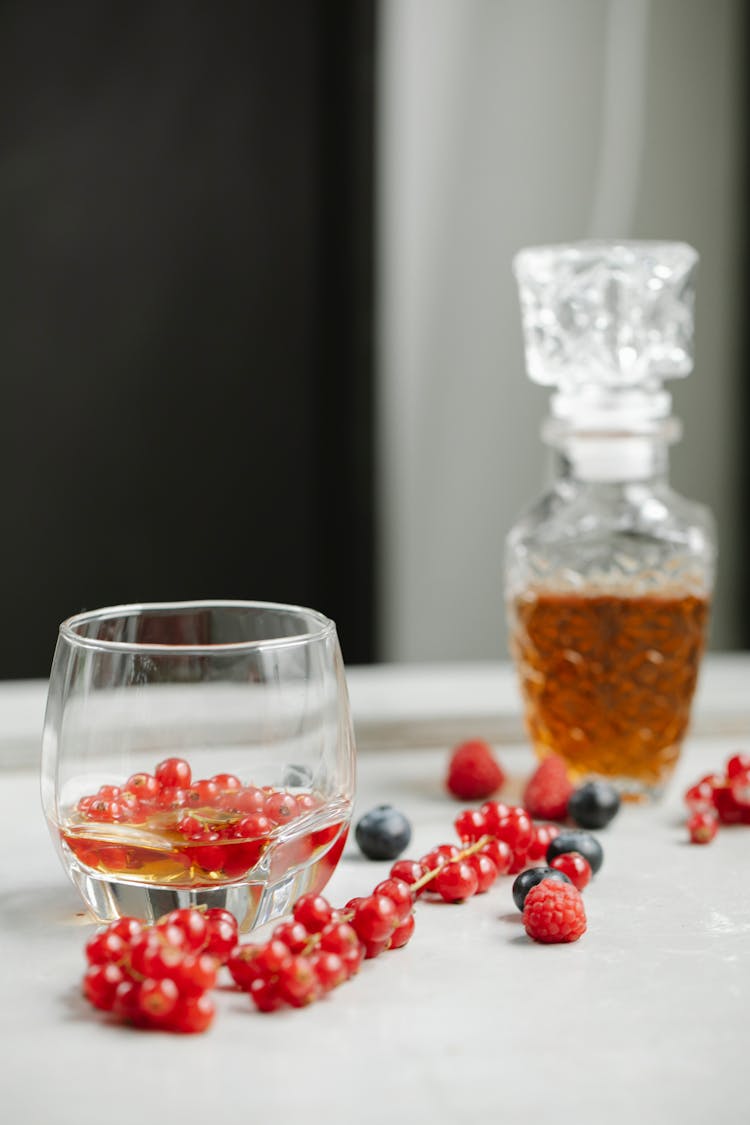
[399, 893]
[298, 982]
[338, 937]
[543, 835]
[194, 973]
[702, 827]
[144, 785]
[265, 995]
[227, 781]
[105, 947]
[174, 773]
[402, 933]
[738, 763]
[126, 1003]
[313, 911]
[281, 807]
[329, 968]
[701, 795]
[575, 866]
[375, 919]
[192, 923]
[245, 966]
[493, 812]
[192, 1014]
[101, 983]
[485, 870]
[409, 871]
[726, 806]
[293, 934]
[500, 854]
[455, 882]
[470, 825]
[223, 933]
[740, 787]
[157, 998]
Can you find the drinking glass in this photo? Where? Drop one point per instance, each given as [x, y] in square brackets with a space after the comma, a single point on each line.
[198, 753]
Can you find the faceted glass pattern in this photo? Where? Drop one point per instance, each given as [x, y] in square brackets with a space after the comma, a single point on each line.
[607, 315]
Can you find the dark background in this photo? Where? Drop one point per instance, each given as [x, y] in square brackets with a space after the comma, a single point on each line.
[185, 310]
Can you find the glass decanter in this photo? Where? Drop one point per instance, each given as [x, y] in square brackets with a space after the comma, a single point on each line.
[609, 575]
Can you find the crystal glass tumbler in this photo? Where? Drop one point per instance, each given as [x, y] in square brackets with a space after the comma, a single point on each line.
[198, 753]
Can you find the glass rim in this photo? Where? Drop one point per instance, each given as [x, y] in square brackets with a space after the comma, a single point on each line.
[323, 627]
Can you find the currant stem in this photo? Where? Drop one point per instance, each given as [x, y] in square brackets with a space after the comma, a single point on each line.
[464, 854]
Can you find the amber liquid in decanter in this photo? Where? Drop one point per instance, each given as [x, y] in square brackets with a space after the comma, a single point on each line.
[607, 680]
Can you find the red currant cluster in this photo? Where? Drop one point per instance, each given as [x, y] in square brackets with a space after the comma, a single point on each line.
[497, 839]
[211, 830]
[171, 789]
[159, 976]
[319, 947]
[719, 799]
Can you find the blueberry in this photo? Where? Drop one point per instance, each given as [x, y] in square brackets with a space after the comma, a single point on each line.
[594, 804]
[383, 833]
[530, 877]
[582, 842]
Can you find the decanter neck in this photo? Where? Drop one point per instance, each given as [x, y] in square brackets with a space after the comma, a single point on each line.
[612, 458]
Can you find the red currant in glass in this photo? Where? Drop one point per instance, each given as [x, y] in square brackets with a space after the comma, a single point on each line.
[227, 781]
[144, 785]
[174, 773]
[281, 808]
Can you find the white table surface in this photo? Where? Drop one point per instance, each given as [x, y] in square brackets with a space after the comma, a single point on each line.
[644, 1019]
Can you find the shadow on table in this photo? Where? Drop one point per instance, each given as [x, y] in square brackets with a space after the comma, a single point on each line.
[42, 906]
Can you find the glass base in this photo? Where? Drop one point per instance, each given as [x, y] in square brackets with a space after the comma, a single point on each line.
[253, 904]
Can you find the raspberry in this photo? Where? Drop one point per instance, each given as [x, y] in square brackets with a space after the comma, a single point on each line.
[548, 789]
[473, 771]
[531, 877]
[554, 912]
